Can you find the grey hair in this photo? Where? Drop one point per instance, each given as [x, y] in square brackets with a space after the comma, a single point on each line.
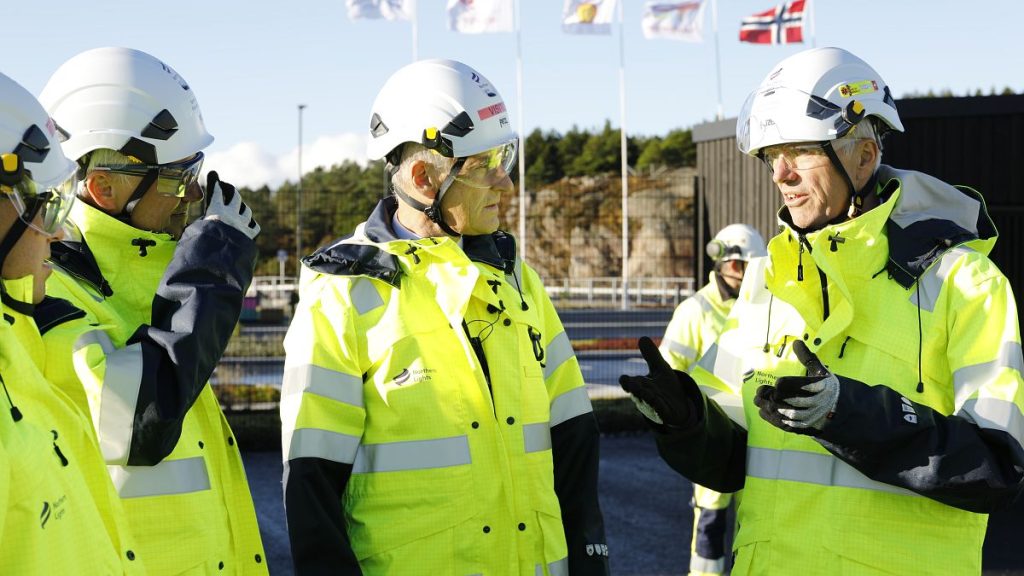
[106, 157]
[412, 153]
[861, 131]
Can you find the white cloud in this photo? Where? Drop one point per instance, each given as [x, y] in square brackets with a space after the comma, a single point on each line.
[248, 164]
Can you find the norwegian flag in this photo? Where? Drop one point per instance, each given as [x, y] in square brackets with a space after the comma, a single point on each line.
[783, 24]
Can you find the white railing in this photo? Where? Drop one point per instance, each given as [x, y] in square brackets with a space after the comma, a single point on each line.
[276, 291]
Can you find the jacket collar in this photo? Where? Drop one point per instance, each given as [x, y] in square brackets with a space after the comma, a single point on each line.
[371, 249]
[921, 216]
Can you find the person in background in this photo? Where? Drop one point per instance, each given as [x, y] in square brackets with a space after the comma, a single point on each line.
[694, 327]
[877, 351]
[434, 417]
[143, 310]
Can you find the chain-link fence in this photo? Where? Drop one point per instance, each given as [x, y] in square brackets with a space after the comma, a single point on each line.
[573, 240]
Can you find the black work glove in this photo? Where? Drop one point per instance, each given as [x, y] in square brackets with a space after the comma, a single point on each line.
[661, 396]
[800, 404]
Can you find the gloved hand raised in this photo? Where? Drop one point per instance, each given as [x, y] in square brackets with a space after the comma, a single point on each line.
[800, 404]
[227, 206]
[661, 395]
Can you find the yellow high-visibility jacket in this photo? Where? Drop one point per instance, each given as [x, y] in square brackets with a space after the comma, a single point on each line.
[160, 314]
[434, 418]
[904, 306]
[58, 511]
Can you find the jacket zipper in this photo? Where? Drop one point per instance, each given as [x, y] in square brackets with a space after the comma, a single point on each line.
[821, 275]
[478, 349]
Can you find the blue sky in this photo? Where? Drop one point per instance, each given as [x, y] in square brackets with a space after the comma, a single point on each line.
[251, 62]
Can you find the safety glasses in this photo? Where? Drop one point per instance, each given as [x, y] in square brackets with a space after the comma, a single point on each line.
[42, 210]
[177, 179]
[799, 156]
[487, 169]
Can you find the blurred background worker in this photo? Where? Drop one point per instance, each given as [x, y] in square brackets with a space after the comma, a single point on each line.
[877, 351]
[434, 416]
[165, 303]
[694, 327]
[51, 519]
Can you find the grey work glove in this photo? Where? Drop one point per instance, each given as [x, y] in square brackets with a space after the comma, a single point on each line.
[800, 404]
[227, 206]
[661, 395]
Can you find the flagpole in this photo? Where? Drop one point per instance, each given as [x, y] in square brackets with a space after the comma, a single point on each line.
[625, 159]
[718, 61]
[522, 135]
[415, 31]
[814, 39]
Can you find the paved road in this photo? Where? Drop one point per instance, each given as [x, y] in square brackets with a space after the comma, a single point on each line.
[644, 504]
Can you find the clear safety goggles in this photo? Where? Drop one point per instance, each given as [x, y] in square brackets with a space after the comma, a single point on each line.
[799, 156]
[487, 169]
[178, 179]
[777, 115]
[42, 209]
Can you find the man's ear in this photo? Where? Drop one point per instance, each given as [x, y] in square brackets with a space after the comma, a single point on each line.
[99, 190]
[867, 155]
[420, 175]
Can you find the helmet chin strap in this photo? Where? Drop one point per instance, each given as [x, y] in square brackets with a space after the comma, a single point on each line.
[144, 185]
[433, 210]
[853, 208]
[7, 245]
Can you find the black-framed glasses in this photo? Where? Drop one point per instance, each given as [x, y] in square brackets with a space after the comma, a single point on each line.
[176, 179]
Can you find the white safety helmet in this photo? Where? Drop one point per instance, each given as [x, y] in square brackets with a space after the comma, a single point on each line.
[35, 175]
[817, 95]
[444, 105]
[128, 101]
[736, 242]
[451, 109]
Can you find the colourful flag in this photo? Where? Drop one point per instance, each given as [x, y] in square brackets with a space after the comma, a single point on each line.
[783, 24]
[588, 16]
[386, 9]
[674, 20]
[480, 16]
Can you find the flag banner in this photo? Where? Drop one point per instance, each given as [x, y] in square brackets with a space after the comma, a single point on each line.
[386, 9]
[481, 16]
[588, 16]
[674, 20]
[783, 24]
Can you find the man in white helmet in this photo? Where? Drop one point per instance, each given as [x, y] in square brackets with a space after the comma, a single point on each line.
[58, 510]
[877, 351]
[434, 418]
[143, 311]
[694, 327]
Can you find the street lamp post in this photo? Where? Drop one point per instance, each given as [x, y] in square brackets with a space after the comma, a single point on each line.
[298, 203]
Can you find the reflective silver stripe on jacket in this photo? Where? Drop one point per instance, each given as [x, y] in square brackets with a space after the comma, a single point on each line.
[705, 306]
[570, 405]
[313, 379]
[412, 455]
[317, 443]
[166, 478]
[537, 437]
[682, 350]
[707, 361]
[811, 468]
[969, 379]
[558, 351]
[700, 564]
[731, 404]
[996, 414]
[365, 296]
[930, 283]
[556, 568]
[119, 397]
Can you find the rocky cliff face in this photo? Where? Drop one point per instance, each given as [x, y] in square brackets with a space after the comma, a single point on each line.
[574, 226]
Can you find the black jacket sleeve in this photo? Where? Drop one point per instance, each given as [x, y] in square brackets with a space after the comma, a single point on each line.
[313, 490]
[946, 458]
[712, 452]
[576, 455]
[195, 310]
